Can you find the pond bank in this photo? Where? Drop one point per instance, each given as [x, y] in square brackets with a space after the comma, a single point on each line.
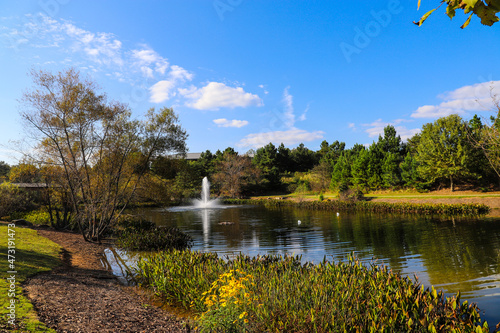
[80, 296]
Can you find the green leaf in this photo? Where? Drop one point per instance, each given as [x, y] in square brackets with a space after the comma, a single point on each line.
[423, 18]
[450, 11]
[466, 23]
[469, 5]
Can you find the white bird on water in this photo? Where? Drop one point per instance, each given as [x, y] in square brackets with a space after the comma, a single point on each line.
[299, 222]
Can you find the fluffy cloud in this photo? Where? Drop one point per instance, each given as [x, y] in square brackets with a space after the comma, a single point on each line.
[376, 128]
[472, 98]
[223, 122]
[165, 89]
[290, 137]
[149, 61]
[216, 95]
[161, 91]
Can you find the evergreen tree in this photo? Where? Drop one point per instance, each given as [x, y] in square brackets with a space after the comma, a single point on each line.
[409, 172]
[266, 160]
[283, 159]
[341, 170]
[360, 170]
[303, 158]
[391, 173]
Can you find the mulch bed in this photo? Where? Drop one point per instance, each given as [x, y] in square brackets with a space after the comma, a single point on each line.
[80, 296]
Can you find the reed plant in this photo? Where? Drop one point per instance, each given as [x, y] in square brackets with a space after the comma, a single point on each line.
[375, 207]
[281, 294]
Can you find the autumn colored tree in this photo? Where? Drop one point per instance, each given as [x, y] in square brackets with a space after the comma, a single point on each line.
[103, 154]
[24, 172]
[234, 173]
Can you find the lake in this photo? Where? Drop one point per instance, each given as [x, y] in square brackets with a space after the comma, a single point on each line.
[453, 254]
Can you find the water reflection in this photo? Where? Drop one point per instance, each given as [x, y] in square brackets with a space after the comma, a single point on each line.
[460, 254]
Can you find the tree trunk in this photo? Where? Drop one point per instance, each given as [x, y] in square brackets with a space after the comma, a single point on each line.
[451, 184]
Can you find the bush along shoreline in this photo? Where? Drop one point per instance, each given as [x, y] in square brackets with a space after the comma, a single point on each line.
[136, 234]
[367, 206]
[280, 294]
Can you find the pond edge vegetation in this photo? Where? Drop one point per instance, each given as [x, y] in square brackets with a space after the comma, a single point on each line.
[274, 293]
[367, 206]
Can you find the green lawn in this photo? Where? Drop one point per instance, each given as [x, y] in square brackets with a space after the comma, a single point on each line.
[397, 195]
[33, 254]
[391, 195]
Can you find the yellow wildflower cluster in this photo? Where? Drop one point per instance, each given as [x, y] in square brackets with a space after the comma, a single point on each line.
[230, 288]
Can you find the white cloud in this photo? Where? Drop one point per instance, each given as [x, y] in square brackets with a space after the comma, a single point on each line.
[376, 128]
[165, 89]
[302, 117]
[288, 115]
[149, 61]
[179, 73]
[161, 91]
[223, 122]
[290, 137]
[101, 47]
[472, 98]
[264, 88]
[215, 95]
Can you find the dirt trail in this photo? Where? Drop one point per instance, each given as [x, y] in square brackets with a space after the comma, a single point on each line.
[81, 296]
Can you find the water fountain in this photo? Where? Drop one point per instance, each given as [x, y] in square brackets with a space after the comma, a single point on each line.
[205, 201]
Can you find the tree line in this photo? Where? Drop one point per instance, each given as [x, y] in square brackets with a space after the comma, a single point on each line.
[95, 161]
[447, 152]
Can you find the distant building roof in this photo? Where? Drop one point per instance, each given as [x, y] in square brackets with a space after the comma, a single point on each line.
[187, 156]
[193, 156]
[197, 156]
[30, 185]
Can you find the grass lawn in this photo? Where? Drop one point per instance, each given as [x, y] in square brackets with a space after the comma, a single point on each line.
[456, 195]
[33, 254]
[394, 195]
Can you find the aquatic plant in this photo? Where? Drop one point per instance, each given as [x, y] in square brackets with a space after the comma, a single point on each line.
[280, 294]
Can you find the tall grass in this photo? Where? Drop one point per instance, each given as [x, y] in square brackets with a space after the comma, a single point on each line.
[376, 207]
[280, 294]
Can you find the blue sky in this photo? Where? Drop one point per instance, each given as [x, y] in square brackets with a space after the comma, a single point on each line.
[243, 73]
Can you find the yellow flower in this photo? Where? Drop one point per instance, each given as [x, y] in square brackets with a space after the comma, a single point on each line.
[245, 321]
[243, 314]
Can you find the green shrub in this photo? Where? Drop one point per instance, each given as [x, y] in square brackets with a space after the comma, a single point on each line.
[280, 294]
[142, 235]
[14, 200]
[38, 217]
[303, 186]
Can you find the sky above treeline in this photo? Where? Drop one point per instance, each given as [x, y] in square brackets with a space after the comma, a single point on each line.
[243, 73]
